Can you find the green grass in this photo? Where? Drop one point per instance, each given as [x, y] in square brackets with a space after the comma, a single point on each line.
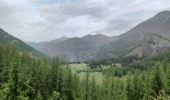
[97, 75]
[79, 68]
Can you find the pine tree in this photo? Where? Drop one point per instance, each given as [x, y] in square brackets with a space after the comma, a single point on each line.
[137, 88]
[14, 78]
[145, 81]
[55, 96]
[87, 84]
[162, 96]
[39, 97]
[62, 82]
[158, 81]
[129, 89]
[54, 75]
[69, 90]
[93, 89]
[1, 65]
[168, 82]
[106, 87]
[76, 87]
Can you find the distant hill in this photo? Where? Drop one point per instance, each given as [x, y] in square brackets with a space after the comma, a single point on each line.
[75, 49]
[159, 24]
[6, 38]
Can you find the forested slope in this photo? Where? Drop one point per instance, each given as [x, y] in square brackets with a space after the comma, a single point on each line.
[8, 39]
[24, 77]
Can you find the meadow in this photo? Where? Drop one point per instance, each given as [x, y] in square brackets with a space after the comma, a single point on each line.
[80, 70]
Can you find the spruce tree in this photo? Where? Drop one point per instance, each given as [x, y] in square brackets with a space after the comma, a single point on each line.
[87, 84]
[158, 80]
[129, 89]
[93, 89]
[54, 75]
[168, 82]
[14, 78]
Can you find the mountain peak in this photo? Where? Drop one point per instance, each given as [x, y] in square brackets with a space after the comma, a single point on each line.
[60, 39]
[96, 35]
[99, 34]
[64, 37]
[163, 14]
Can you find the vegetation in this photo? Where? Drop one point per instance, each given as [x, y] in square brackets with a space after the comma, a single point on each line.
[25, 77]
[8, 39]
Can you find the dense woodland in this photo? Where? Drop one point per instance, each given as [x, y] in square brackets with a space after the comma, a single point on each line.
[25, 77]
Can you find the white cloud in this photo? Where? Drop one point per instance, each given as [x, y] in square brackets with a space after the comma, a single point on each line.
[38, 20]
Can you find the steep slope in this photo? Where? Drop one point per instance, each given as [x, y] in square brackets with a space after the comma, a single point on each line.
[160, 24]
[6, 38]
[151, 45]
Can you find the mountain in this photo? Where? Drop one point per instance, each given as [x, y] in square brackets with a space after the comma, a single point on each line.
[59, 40]
[151, 45]
[159, 24]
[6, 38]
[46, 46]
[76, 49]
[146, 39]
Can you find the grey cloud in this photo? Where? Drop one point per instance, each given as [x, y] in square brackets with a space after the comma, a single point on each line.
[37, 20]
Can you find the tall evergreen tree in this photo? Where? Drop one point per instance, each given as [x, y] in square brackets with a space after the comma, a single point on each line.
[54, 75]
[129, 89]
[158, 80]
[87, 84]
[93, 89]
[14, 78]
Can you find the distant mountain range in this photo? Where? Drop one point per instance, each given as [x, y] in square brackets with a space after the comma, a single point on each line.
[146, 39]
[159, 24]
[74, 49]
[8, 39]
[42, 46]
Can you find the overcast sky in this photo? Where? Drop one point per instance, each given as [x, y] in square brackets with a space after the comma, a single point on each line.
[40, 20]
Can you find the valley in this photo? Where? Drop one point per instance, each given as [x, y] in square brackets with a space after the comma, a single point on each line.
[131, 66]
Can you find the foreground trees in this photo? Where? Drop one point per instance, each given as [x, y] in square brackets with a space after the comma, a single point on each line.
[25, 77]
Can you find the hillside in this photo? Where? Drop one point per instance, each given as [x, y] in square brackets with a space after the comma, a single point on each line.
[75, 49]
[6, 38]
[159, 24]
[151, 45]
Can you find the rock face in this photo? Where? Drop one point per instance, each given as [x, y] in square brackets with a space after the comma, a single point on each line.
[159, 24]
[151, 45]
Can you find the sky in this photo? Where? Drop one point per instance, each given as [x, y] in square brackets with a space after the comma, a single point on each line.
[45, 20]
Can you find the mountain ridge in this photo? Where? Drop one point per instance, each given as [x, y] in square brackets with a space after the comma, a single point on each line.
[134, 36]
[77, 48]
[100, 46]
[6, 38]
